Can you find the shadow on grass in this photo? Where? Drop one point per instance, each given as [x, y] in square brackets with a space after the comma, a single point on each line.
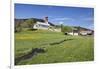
[55, 43]
[29, 55]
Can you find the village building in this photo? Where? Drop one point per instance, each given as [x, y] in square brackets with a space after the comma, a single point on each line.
[81, 31]
[43, 24]
[85, 31]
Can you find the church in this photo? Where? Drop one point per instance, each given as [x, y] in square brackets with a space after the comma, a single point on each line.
[44, 24]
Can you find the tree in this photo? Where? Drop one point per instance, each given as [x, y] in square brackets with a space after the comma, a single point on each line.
[24, 25]
[78, 30]
[18, 27]
[30, 22]
[66, 29]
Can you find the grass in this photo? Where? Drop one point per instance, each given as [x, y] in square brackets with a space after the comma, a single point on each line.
[74, 49]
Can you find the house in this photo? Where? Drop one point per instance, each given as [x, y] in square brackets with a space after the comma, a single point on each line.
[81, 31]
[85, 31]
[74, 32]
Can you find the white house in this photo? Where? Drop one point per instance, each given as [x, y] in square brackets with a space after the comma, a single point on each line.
[41, 25]
[81, 31]
[86, 32]
[74, 32]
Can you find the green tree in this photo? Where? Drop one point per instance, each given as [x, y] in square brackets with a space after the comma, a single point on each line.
[30, 23]
[18, 27]
[24, 25]
[66, 28]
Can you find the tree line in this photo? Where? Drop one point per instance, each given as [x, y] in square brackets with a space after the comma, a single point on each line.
[20, 24]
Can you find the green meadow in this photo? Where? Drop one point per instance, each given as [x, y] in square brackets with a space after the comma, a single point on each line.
[73, 49]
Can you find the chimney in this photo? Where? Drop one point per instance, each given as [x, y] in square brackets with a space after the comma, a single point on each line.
[46, 19]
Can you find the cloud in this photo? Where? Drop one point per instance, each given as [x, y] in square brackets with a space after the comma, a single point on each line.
[88, 19]
[62, 19]
[91, 26]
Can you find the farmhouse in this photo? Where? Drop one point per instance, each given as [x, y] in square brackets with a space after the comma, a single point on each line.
[74, 31]
[85, 31]
[81, 31]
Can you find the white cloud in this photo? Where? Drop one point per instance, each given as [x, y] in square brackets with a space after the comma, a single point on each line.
[88, 19]
[91, 26]
[62, 19]
[61, 22]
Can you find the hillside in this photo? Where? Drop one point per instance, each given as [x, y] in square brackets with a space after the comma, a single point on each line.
[51, 47]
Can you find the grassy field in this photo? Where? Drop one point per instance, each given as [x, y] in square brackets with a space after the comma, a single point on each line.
[75, 48]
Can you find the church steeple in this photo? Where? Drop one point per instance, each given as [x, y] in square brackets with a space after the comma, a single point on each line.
[46, 19]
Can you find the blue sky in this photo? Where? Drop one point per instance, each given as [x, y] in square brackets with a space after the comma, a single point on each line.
[71, 16]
